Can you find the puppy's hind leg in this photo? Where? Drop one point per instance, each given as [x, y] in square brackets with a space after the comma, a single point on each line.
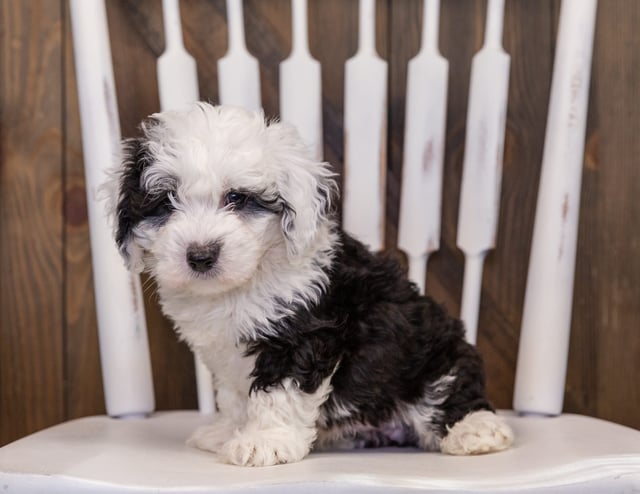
[477, 433]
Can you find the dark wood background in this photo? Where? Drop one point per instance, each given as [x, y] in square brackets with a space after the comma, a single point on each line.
[49, 362]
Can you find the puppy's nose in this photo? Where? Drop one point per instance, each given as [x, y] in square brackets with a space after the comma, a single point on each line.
[201, 258]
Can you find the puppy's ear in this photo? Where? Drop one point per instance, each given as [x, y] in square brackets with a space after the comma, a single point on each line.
[308, 190]
[126, 196]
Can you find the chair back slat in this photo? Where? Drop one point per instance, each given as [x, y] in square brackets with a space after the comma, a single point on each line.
[365, 136]
[482, 167]
[238, 70]
[124, 350]
[546, 320]
[177, 70]
[424, 139]
[301, 84]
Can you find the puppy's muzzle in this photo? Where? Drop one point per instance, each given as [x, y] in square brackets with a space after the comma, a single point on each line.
[202, 258]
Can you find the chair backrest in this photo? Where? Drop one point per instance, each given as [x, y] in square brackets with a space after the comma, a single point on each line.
[545, 329]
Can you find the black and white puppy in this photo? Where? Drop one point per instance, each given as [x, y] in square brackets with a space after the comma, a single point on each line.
[313, 341]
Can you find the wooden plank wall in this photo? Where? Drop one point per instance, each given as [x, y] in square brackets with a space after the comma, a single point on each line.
[49, 362]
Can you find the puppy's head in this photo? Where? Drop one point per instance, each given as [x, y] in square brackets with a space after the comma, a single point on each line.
[208, 196]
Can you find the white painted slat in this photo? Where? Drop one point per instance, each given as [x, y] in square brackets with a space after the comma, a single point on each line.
[365, 136]
[546, 321]
[424, 139]
[177, 71]
[238, 70]
[300, 84]
[204, 385]
[482, 167]
[178, 88]
[124, 349]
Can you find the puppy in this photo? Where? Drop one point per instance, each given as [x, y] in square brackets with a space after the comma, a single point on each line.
[313, 341]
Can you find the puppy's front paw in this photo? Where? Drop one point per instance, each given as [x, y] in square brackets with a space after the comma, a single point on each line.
[212, 437]
[264, 448]
[477, 433]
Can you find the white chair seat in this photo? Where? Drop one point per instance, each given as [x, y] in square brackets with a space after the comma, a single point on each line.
[567, 454]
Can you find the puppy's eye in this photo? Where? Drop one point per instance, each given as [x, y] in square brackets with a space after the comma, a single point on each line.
[237, 200]
[159, 207]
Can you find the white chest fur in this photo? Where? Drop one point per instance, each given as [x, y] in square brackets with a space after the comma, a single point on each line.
[214, 339]
[228, 363]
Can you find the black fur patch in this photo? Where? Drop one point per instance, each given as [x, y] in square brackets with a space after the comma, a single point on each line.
[135, 203]
[390, 342]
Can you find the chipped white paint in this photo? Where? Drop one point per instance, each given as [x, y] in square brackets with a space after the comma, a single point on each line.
[122, 331]
[365, 133]
[300, 84]
[546, 320]
[482, 168]
[424, 138]
[178, 88]
[238, 70]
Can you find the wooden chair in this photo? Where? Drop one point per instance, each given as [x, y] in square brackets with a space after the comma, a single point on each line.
[134, 449]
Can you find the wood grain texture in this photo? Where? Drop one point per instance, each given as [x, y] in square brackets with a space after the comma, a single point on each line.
[340, 19]
[49, 367]
[31, 234]
[605, 343]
